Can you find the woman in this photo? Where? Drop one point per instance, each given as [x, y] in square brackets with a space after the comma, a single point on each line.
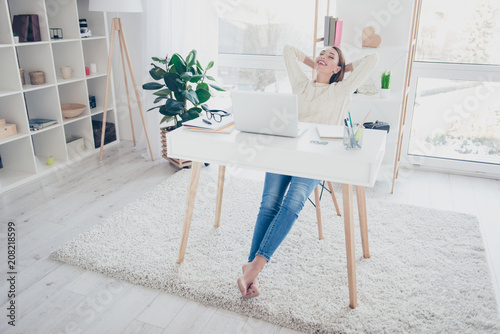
[322, 100]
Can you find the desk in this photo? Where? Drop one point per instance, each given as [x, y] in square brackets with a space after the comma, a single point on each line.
[290, 156]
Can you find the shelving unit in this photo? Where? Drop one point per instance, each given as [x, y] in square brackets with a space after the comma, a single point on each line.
[393, 24]
[24, 155]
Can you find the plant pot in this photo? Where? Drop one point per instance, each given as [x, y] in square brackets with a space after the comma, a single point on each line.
[384, 92]
[179, 163]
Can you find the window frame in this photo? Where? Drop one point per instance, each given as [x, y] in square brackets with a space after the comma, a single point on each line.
[450, 71]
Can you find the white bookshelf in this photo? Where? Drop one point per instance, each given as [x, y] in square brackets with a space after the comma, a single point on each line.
[393, 24]
[24, 155]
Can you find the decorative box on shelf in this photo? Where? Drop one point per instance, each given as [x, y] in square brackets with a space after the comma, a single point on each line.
[75, 145]
[109, 133]
[7, 130]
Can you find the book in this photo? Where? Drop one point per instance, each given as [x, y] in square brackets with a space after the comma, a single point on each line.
[225, 130]
[330, 131]
[333, 27]
[326, 38]
[40, 123]
[203, 123]
[338, 33]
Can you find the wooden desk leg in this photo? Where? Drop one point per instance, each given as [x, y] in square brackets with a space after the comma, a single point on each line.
[220, 189]
[349, 243]
[363, 220]
[193, 186]
[330, 187]
[318, 213]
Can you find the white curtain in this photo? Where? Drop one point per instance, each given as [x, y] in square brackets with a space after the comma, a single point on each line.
[173, 26]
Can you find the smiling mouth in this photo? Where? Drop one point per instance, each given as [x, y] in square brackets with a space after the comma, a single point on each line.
[322, 63]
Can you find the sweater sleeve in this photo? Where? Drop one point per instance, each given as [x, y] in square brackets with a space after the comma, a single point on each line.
[293, 59]
[361, 69]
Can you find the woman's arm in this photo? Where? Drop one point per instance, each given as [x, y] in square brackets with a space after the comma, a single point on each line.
[293, 57]
[309, 62]
[360, 68]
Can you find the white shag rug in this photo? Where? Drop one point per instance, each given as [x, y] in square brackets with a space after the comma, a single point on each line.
[427, 272]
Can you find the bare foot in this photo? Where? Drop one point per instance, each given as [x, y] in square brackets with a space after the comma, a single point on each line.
[248, 282]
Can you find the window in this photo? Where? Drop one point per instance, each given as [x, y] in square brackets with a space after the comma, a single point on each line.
[455, 121]
[251, 37]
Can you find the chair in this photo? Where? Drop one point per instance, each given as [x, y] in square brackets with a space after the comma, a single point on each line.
[317, 199]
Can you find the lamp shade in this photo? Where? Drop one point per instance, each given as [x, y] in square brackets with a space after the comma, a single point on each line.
[117, 6]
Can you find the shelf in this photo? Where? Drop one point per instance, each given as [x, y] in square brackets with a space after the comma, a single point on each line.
[27, 44]
[10, 79]
[4, 92]
[64, 40]
[24, 155]
[69, 54]
[61, 81]
[36, 57]
[5, 28]
[43, 104]
[12, 138]
[18, 7]
[393, 98]
[65, 17]
[92, 38]
[30, 88]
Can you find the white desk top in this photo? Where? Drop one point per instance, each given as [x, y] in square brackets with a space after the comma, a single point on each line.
[290, 156]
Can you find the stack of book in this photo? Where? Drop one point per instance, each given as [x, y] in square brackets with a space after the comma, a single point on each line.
[202, 124]
[40, 123]
[333, 31]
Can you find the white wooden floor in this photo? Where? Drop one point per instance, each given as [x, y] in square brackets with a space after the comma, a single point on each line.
[58, 298]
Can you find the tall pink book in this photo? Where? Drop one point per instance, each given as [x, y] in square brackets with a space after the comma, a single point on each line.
[338, 33]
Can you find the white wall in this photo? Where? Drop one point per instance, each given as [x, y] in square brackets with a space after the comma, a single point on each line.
[132, 28]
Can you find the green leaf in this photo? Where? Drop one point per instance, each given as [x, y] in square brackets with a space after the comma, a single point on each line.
[185, 117]
[157, 73]
[194, 113]
[210, 78]
[209, 66]
[186, 76]
[199, 67]
[160, 60]
[153, 108]
[163, 93]
[165, 111]
[152, 86]
[173, 81]
[173, 106]
[178, 96]
[203, 95]
[166, 119]
[205, 107]
[191, 58]
[178, 124]
[196, 78]
[178, 62]
[220, 89]
[191, 96]
[203, 86]
[158, 99]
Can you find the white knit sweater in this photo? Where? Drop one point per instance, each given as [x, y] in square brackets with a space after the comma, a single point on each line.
[324, 103]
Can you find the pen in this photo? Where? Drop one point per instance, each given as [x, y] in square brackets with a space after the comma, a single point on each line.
[208, 122]
[350, 119]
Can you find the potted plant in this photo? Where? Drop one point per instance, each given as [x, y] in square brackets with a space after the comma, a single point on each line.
[385, 82]
[182, 88]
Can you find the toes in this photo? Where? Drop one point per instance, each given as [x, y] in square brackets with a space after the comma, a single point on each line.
[242, 287]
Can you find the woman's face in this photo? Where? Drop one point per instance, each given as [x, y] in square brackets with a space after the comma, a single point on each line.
[328, 61]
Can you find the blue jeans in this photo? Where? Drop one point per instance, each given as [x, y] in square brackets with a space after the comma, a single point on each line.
[278, 211]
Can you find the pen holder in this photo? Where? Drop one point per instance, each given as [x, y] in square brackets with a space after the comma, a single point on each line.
[353, 137]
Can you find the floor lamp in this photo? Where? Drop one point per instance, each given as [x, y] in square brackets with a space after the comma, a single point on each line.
[120, 6]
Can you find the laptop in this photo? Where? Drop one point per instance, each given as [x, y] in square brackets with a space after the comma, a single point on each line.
[266, 113]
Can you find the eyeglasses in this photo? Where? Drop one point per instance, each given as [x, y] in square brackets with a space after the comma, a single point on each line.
[217, 114]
